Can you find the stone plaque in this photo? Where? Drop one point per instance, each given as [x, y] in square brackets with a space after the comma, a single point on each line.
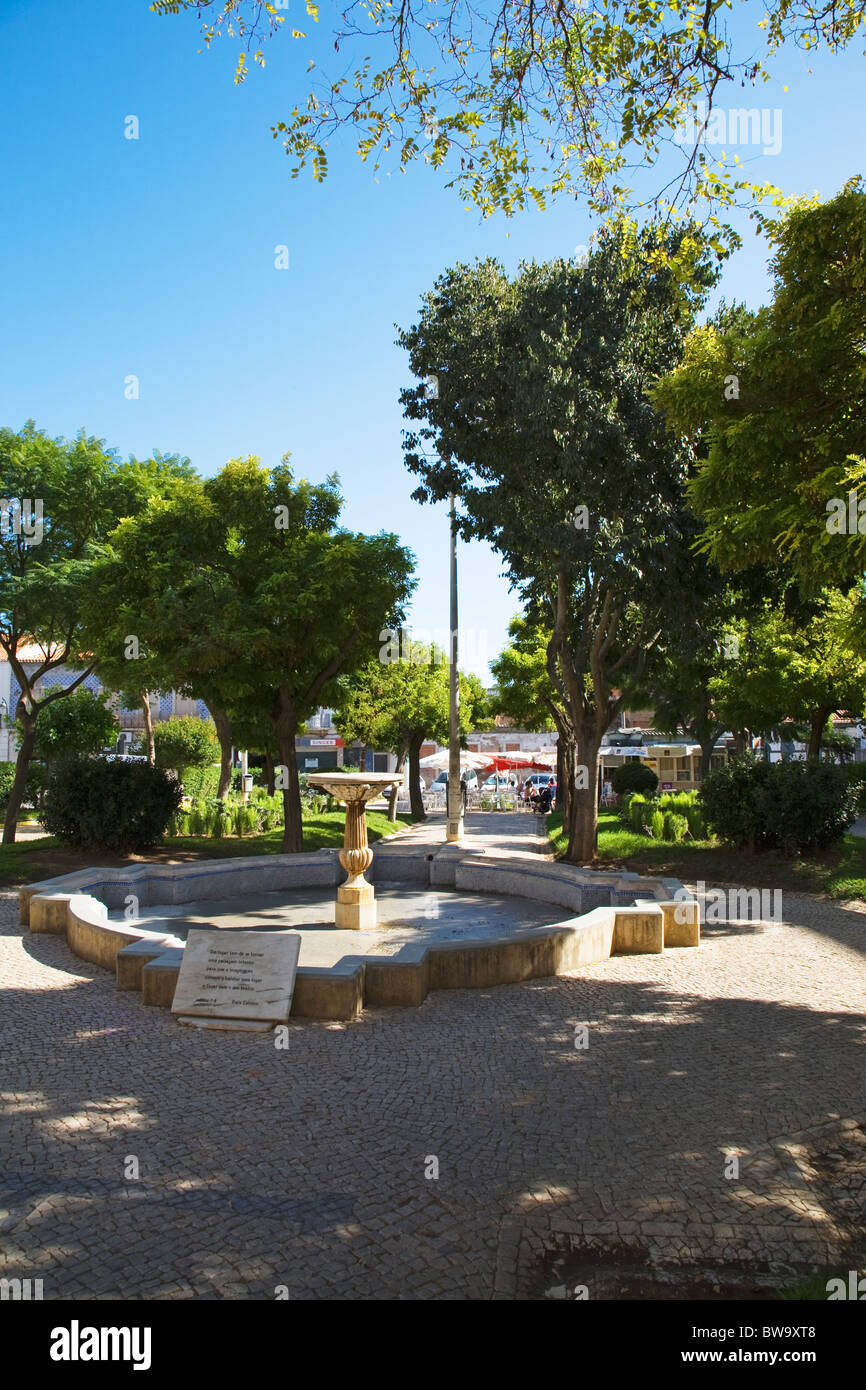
[238, 974]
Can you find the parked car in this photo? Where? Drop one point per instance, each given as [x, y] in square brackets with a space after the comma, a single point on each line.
[469, 776]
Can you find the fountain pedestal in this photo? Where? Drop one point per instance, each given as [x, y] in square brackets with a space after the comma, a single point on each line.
[355, 908]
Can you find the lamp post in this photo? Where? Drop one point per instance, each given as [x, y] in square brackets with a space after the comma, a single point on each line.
[454, 822]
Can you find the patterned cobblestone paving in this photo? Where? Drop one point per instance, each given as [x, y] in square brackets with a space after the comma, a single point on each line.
[306, 1167]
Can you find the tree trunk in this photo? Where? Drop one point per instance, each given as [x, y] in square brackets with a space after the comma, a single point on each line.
[395, 790]
[285, 722]
[416, 802]
[565, 772]
[739, 742]
[583, 825]
[144, 698]
[22, 763]
[817, 719]
[269, 774]
[565, 758]
[224, 734]
[707, 746]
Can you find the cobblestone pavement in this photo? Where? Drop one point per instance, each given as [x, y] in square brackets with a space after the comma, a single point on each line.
[306, 1167]
[521, 831]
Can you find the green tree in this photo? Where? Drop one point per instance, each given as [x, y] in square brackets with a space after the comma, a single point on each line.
[526, 100]
[634, 777]
[526, 694]
[399, 701]
[540, 424]
[696, 664]
[779, 401]
[62, 497]
[796, 664]
[270, 599]
[125, 663]
[184, 742]
[75, 727]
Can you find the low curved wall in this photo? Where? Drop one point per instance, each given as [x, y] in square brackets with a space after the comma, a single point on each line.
[151, 961]
[171, 884]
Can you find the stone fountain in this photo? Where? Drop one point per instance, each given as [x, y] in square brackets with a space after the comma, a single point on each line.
[356, 905]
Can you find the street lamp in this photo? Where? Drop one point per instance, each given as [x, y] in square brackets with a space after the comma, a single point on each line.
[454, 822]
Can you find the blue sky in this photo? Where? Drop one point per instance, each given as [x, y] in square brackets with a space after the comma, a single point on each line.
[155, 257]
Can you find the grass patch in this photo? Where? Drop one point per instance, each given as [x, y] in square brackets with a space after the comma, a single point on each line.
[838, 872]
[17, 864]
[32, 860]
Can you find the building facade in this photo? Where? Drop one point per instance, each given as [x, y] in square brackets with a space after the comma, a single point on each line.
[131, 721]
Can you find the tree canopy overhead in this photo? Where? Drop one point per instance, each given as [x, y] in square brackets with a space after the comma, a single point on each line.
[524, 99]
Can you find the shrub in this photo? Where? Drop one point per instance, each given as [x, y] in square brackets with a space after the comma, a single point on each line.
[118, 806]
[201, 781]
[34, 787]
[637, 805]
[73, 726]
[269, 809]
[695, 822]
[185, 742]
[200, 820]
[245, 820]
[7, 777]
[856, 774]
[657, 825]
[790, 806]
[178, 825]
[674, 827]
[634, 776]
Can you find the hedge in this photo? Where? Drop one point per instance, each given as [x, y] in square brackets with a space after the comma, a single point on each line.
[117, 806]
[788, 806]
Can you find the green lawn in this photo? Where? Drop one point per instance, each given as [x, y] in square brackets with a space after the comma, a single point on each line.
[839, 872]
[32, 860]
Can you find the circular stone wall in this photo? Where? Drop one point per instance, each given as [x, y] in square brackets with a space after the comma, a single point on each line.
[502, 918]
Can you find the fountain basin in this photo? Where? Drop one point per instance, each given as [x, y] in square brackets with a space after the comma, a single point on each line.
[591, 915]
